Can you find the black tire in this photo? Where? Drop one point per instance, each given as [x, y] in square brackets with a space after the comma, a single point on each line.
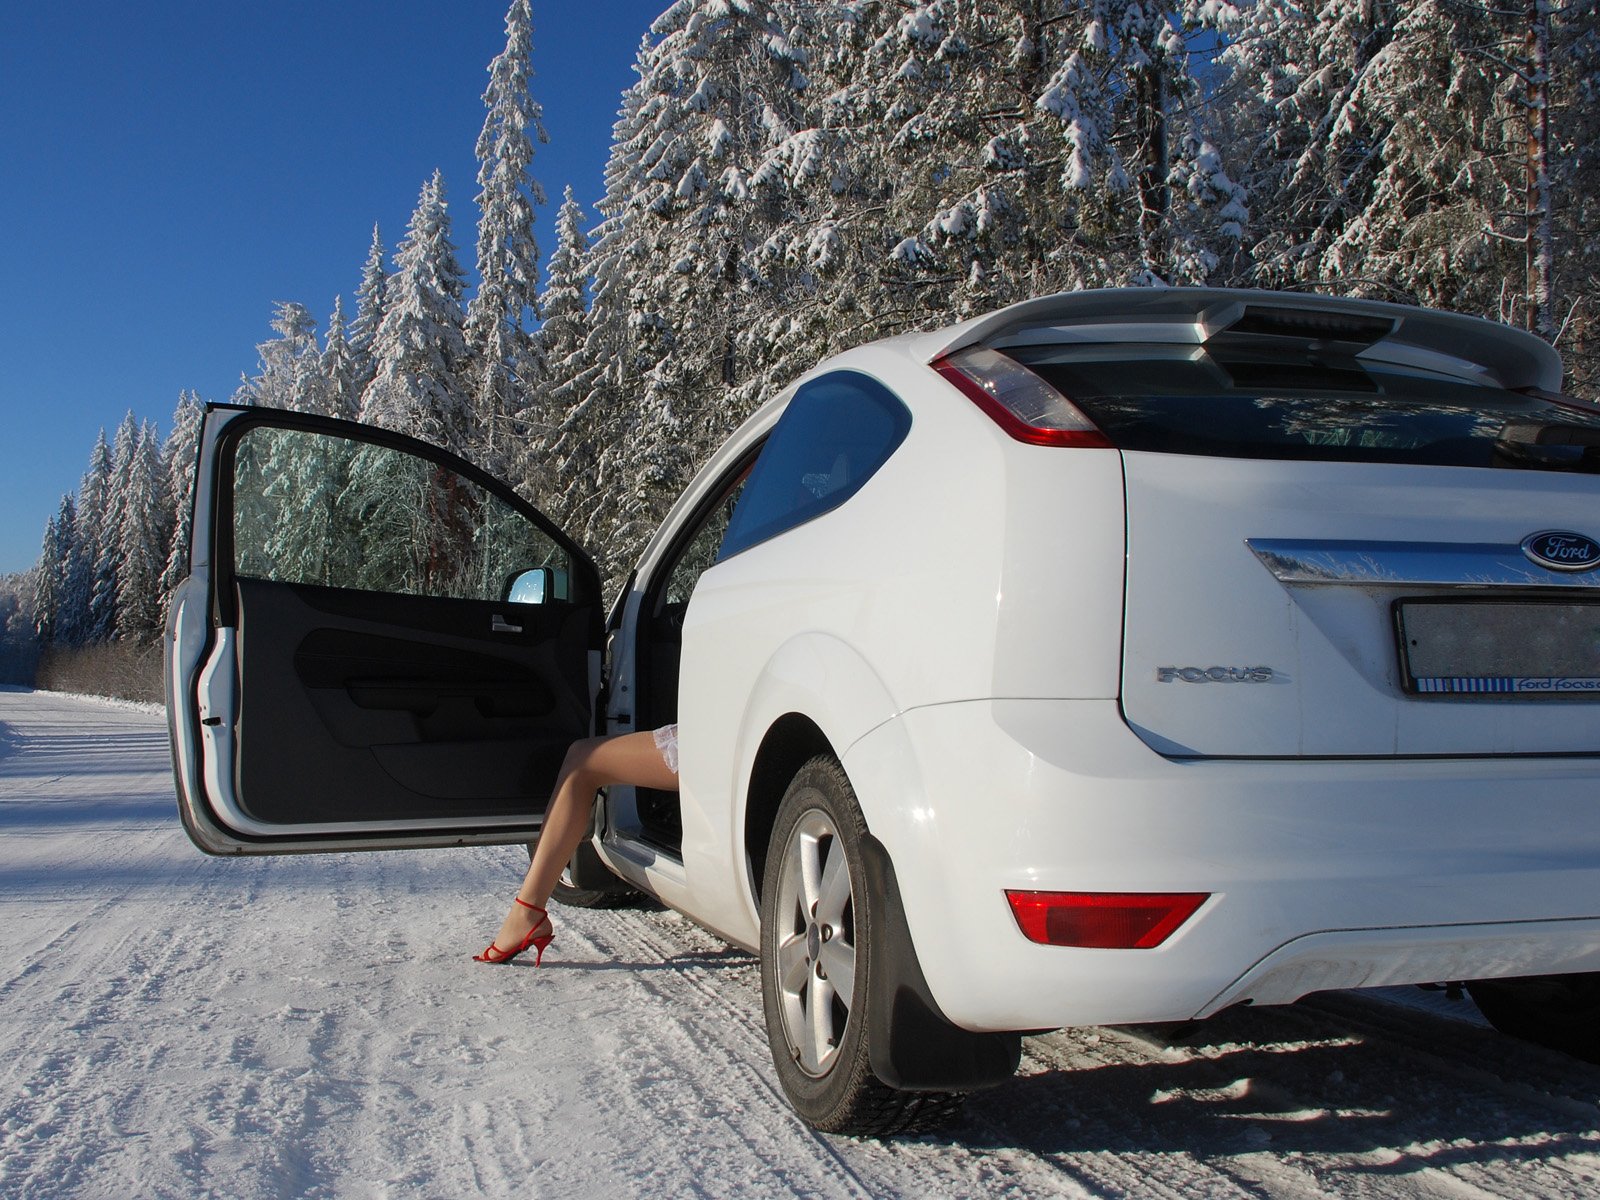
[1561, 1012]
[825, 1067]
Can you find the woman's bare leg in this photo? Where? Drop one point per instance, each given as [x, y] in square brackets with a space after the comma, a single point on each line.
[629, 758]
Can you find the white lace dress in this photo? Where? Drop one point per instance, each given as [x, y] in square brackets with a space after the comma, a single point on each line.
[667, 742]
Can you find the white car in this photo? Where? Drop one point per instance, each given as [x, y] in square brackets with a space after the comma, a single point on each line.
[1117, 657]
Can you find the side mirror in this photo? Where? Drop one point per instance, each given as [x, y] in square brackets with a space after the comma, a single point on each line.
[537, 585]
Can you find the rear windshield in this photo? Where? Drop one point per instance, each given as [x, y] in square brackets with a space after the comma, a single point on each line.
[1271, 403]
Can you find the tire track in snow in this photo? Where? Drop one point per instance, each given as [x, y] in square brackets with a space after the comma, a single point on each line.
[730, 1005]
[1290, 1102]
[1332, 1109]
[904, 1166]
[134, 1006]
[95, 1080]
[729, 1085]
[1459, 1044]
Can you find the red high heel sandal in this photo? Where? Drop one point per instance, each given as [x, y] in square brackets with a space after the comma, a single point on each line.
[493, 953]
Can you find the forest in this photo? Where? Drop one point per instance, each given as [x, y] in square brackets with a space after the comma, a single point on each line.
[788, 178]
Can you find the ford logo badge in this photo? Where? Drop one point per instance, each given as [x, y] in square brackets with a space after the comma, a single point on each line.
[1562, 550]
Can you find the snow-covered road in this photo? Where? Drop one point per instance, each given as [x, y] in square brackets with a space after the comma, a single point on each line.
[175, 1025]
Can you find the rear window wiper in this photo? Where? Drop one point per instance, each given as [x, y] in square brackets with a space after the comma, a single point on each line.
[1549, 446]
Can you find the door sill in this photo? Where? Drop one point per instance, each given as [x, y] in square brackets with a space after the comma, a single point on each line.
[643, 864]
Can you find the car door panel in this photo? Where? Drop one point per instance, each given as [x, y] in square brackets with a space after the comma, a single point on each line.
[406, 727]
[345, 668]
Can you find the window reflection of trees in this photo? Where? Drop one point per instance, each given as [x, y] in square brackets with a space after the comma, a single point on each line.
[1272, 409]
[1377, 423]
[315, 509]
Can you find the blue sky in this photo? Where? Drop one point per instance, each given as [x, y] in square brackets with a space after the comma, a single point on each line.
[170, 169]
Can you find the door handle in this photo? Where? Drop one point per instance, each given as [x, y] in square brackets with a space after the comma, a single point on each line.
[498, 624]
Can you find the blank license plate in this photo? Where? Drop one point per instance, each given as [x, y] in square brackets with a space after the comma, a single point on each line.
[1517, 648]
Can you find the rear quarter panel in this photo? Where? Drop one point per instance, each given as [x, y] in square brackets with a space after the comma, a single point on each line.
[968, 566]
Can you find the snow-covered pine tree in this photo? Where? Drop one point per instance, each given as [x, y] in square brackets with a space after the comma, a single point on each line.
[142, 546]
[1574, 114]
[1038, 146]
[562, 302]
[1390, 149]
[301, 479]
[1143, 50]
[835, 193]
[93, 492]
[179, 459]
[813, 181]
[710, 127]
[913, 94]
[372, 301]
[72, 579]
[384, 495]
[59, 536]
[339, 368]
[422, 381]
[165, 518]
[291, 364]
[504, 362]
[562, 453]
[1539, 224]
[618, 344]
[106, 587]
[1290, 72]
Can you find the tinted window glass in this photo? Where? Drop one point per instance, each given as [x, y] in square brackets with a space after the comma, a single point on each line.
[1254, 403]
[835, 433]
[313, 508]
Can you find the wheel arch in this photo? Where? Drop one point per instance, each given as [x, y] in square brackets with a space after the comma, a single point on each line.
[819, 696]
[793, 739]
[816, 695]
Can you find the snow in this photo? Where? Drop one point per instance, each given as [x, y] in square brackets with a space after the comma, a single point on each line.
[182, 1026]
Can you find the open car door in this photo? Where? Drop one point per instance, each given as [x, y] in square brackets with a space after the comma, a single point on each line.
[377, 645]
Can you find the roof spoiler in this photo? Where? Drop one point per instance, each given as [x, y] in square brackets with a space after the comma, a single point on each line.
[1510, 357]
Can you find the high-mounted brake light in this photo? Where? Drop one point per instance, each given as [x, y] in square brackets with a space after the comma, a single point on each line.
[1103, 920]
[1019, 401]
[1350, 328]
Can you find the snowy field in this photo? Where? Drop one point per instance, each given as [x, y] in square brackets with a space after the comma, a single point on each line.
[180, 1026]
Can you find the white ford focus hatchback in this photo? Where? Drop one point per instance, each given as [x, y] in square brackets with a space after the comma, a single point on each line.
[1117, 657]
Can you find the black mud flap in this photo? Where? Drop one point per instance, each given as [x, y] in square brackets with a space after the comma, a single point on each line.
[588, 872]
[910, 1043]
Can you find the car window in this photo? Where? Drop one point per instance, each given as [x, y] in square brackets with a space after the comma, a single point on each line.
[836, 432]
[313, 508]
[701, 551]
[1245, 401]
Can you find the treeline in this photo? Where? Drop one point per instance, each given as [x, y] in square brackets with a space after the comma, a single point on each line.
[112, 555]
[788, 178]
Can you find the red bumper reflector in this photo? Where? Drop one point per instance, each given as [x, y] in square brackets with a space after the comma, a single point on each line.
[1103, 920]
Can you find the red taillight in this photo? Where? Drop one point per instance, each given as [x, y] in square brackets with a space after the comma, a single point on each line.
[1019, 401]
[1103, 920]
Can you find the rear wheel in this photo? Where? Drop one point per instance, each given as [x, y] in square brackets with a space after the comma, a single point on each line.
[1558, 1011]
[817, 922]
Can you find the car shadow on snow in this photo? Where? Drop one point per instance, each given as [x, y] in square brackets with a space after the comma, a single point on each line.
[41, 816]
[1381, 1091]
[706, 960]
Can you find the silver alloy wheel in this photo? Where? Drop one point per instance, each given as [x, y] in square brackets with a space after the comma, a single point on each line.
[816, 944]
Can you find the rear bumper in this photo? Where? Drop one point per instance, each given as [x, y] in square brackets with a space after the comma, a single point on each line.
[1379, 957]
[1322, 874]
